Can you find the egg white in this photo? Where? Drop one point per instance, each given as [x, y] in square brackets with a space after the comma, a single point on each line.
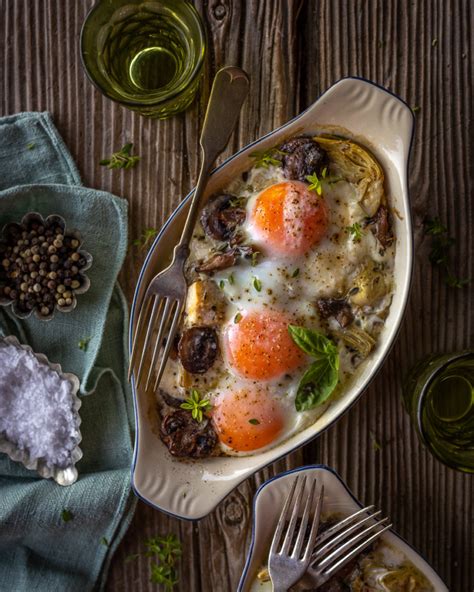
[289, 284]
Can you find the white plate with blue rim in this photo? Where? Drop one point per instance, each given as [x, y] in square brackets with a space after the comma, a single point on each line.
[338, 500]
[356, 109]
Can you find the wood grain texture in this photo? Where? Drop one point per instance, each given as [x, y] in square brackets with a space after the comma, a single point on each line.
[293, 50]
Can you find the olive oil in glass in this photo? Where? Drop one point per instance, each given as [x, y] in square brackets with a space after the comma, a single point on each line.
[147, 55]
[439, 396]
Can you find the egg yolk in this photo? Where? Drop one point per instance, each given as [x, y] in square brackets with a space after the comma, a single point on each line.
[247, 420]
[288, 219]
[259, 345]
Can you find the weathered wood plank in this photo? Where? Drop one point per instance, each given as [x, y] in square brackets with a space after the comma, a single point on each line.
[293, 50]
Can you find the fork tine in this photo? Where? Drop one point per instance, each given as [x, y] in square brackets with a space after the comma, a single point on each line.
[141, 318]
[350, 543]
[294, 517]
[333, 542]
[314, 527]
[360, 547]
[164, 318]
[304, 522]
[330, 532]
[282, 521]
[169, 343]
[149, 332]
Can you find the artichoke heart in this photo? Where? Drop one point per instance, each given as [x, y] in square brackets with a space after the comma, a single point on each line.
[359, 167]
[357, 339]
[369, 287]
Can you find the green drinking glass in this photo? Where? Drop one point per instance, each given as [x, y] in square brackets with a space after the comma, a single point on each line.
[439, 396]
[146, 55]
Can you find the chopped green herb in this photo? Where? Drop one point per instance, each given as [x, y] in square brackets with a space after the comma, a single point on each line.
[146, 237]
[31, 145]
[296, 273]
[315, 183]
[375, 443]
[237, 318]
[67, 515]
[164, 575]
[355, 231]
[254, 258]
[237, 202]
[416, 108]
[257, 284]
[196, 405]
[439, 254]
[265, 158]
[434, 226]
[321, 378]
[455, 282]
[165, 550]
[222, 284]
[83, 344]
[231, 279]
[104, 541]
[254, 421]
[122, 159]
[434, 42]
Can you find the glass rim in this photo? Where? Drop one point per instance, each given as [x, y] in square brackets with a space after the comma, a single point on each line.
[421, 404]
[153, 102]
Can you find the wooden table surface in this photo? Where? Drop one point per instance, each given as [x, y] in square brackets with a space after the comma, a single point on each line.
[292, 50]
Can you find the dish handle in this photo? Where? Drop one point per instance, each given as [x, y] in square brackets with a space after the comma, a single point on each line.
[370, 111]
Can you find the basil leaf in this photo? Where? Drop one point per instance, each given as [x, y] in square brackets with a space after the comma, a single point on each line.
[317, 383]
[311, 342]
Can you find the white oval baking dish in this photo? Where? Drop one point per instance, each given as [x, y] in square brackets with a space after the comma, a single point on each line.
[384, 123]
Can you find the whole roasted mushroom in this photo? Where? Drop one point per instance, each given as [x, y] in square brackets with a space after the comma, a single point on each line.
[220, 218]
[302, 157]
[186, 437]
[198, 348]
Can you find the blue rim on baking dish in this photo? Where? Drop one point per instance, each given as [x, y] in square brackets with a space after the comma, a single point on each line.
[399, 115]
[425, 566]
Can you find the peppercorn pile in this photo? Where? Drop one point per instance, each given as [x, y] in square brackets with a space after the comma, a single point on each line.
[41, 267]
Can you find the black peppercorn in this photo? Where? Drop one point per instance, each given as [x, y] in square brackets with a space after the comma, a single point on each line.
[38, 265]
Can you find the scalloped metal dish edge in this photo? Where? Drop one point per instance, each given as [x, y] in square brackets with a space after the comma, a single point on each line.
[190, 490]
[66, 476]
[264, 520]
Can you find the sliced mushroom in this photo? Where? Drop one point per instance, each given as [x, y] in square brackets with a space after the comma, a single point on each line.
[198, 348]
[217, 262]
[338, 308]
[220, 218]
[186, 437]
[226, 259]
[303, 157]
[382, 226]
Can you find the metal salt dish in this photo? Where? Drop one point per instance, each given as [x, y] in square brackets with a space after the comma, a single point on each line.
[85, 281]
[62, 476]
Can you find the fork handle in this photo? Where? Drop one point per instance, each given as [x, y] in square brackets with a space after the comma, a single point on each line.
[229, 90]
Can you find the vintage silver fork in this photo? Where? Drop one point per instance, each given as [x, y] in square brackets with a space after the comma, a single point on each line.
[284, 568]
[165, 296]
[339, 544]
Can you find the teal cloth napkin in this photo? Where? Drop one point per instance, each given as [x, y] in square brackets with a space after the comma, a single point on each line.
[39, 550]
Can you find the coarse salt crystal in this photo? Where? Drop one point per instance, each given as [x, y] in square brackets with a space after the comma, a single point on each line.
[38, 414]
